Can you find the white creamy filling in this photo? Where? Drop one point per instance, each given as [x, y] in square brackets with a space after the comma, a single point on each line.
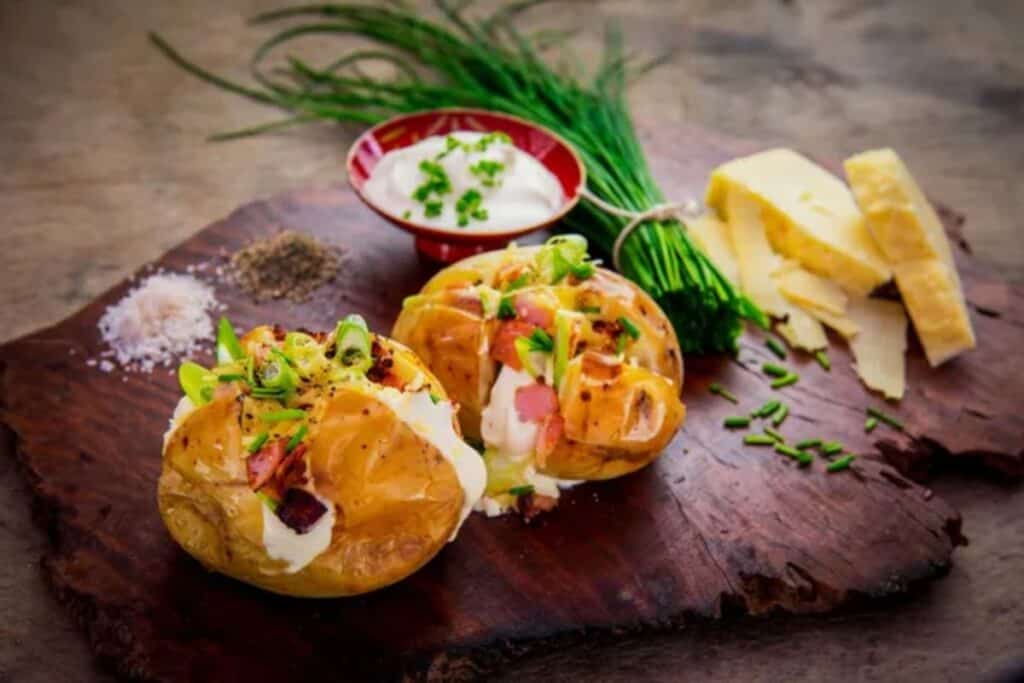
[500, 425]
[184, 408]
[434, 422]
[507, 436]
[524, 193]
[298, 550]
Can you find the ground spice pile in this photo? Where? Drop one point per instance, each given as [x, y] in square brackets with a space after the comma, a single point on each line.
[288, 265]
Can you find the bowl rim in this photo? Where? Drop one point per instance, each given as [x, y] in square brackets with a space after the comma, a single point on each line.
[446, 235]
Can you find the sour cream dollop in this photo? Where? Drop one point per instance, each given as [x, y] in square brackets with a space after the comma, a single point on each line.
[515, 189]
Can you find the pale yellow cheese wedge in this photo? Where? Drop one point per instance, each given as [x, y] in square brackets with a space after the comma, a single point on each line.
[802, 331]
[840, 323]
[757, 262]
[809, 290]
[911, 235]
[809, 215]
[712, 237]
[879, 347]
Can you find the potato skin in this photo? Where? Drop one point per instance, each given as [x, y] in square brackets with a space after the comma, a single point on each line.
[397, 499]
[623, 424]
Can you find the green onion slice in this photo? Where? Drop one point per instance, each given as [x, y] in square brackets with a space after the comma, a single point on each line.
[229, 349]
[565, 324]
[296, 439]
[521, 490]
[257, 443]
[631, 329]
[197, 382]
[353, 343]
[287, 415]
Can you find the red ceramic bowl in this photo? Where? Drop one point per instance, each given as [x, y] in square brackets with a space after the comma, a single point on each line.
[442, 245]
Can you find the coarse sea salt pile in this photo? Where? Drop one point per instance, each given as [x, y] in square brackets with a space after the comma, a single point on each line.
[165, 317]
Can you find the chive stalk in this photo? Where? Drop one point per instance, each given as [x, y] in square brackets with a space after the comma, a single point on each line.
[759, 440]
[718, 389]
[776, 347]
[823, 360]
[775, 435]
[521, 490]
[840, 464]
[296, 439]
[781, 415]
[768, 408]
[803, 457]
[286, 415]
[791, 378]
[257, 443]
[774, 370]
[870, 424]
[808, 443]
[737, 422]
[887, 419]
[832, 448]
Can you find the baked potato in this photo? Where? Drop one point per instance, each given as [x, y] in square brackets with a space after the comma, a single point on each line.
[315, 465]
[563, 370]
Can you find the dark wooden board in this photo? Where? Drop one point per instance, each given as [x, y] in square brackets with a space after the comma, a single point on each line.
[711, 529]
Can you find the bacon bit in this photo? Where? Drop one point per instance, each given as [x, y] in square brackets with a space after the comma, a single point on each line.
[260, 466]
[300, 510]
[279, 332]
[533, 504]
[535, 401]
[610, 328]
[534, 313]
[290, 473]
[550, 433]
[600, 366]
[381, 371]
[503, 347]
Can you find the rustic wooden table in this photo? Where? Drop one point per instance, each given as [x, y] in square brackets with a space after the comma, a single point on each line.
[107, 168]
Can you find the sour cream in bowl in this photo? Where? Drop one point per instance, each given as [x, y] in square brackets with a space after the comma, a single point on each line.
[464, 181]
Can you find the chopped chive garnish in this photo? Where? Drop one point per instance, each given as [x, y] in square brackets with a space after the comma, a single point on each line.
[258, 442]
[758, 440]
[296, 439]
[406, 215]
[283, 415]
[434, 398]
[870, 424]
[781, 415]
[521, 490]
[506, 311]
[774, 370]
[808, 443]
[737, 421]
[589, 309]
[620, 343]
[775, 435]
[840, 464]
[716, 388]
[832, 448]
[768, 408]
[232, 377]
[791, 378]
[887, 419]
[541, 341]
[631, 329]
[823, 360]
[776, 347]
[268, 501]
[267, 392]
[521, 281]
[803, 457]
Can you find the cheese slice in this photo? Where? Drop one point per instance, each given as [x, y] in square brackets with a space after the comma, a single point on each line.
[809, 290]
[802, 331]
[879, 348]
[840, 323]
[809, 215]
[712, 237]
[757, 262]
[911, 236]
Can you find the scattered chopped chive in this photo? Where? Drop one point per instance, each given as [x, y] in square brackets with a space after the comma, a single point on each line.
[823, 360]
[268, 501]
[776, 347]
[774, 370]
[887, 419]
[434, 398]
[258, 442]
[432, 208]
[803, 457]
[284, 415]
[631, 329]
[506, 311]
[582, 271]
[737, 421]
[406, 215]
[589, 309]
[840, 464]
[768, 408]
[808, 443]
[831, 448]
[521, 490]
[775, 435]
[791, 378]
[296, 439]
[781, 415]
[232, 377]
[716, 388]
[758, 440]
[620, 343]
[267, 392]
[519, 282]
[870, 424]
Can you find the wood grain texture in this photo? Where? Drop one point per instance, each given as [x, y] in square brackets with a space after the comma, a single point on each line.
[712, 529]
